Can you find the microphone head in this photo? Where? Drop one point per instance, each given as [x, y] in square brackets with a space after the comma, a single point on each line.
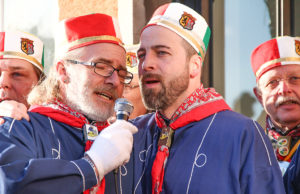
[123, 108]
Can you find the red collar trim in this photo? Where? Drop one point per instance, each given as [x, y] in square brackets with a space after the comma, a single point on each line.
[62, 113]
[199, 105]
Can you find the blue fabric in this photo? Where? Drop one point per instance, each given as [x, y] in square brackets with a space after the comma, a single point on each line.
[292, 175]
[36, 158]
[232, 156]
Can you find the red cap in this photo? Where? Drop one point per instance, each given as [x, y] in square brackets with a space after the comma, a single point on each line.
[85, 30]
[276, 52]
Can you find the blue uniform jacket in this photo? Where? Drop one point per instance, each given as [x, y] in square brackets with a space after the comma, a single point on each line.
[292, 175]
[231, 156]
[44, 156]
[224, 153]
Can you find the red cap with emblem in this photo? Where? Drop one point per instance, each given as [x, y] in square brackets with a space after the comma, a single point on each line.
[85, 30]
[279, 51]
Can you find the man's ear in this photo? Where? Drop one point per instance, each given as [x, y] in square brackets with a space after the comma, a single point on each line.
[257, 93]
[195, 65]
[62, 72]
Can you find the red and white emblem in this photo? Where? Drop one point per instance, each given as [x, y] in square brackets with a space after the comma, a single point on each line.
[131, 59]
[187, 21]
[27, 46]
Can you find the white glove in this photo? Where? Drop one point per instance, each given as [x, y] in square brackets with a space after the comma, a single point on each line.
[112, 147]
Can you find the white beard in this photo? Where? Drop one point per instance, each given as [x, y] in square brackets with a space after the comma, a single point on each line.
[78, 98]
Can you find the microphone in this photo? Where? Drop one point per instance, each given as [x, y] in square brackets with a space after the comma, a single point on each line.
[123, 108]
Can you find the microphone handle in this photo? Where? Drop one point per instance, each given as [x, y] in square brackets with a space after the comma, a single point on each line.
[121, 115]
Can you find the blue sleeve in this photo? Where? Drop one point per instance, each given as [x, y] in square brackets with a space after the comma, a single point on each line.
[260, 172]
[26, 168]
[291, 177]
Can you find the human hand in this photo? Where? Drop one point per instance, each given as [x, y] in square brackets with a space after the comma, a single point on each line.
[14, 109]
[111, 119]
[112, 147]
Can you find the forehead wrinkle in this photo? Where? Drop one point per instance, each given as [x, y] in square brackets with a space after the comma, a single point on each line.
[103, 60]
[160, 46]
[154, 47]
[15, 67]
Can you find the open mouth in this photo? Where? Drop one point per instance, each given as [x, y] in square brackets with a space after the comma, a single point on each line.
[151, 81]
[105, 95]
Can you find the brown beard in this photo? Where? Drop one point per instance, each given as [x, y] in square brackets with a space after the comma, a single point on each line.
[169, 92]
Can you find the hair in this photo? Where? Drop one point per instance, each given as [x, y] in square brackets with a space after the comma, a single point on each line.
[258, 86]
[40, 74]
[47, 90]
[50, 87]
[190, 51]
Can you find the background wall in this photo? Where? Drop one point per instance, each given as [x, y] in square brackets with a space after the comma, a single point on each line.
[71, 8]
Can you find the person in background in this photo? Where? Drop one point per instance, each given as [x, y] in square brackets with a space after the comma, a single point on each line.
[194, 143]
[276, 65]
[21, 68]
[59, 149]
[132, 91]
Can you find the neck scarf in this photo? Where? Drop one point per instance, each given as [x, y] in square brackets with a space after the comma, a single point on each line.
[199, 105]
[284, 143]
[62, 113]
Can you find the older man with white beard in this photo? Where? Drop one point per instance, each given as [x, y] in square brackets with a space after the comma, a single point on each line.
[59, 149]
[276, 64]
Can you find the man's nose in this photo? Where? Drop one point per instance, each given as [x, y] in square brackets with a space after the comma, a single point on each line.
[150, 62]
[114, 79]
[284, 87]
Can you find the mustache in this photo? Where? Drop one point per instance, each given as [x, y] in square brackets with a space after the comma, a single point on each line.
[286, 99]
[109, 90]
[151, 76]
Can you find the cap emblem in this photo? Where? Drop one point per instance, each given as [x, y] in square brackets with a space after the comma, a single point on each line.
[187, 21]
[27, 46]
[131, 59]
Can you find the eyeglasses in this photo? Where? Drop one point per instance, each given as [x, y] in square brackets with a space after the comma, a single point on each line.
[292, 80]
[106, 70]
